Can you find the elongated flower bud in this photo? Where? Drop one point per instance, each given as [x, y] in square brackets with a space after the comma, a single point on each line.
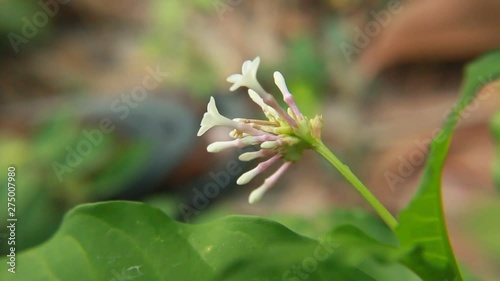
[279, 80]
[258, 193]
[248, 176]
[249, 156]
[219, 146]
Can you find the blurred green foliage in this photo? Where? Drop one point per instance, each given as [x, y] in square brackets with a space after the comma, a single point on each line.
[483, 225]
[12, 12]
[13, 17]
[306, 74]
[42, 199]
[168, 42]
[495, 131]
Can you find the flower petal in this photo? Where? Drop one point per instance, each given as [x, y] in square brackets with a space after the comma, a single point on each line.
[202, 130]
[248, 76]
[252, 71]
[233, 78]
[246, 66]
[212, 118]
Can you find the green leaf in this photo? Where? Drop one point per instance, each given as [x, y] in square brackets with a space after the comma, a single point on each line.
[422, 224]
[128, 240]
[329, 221]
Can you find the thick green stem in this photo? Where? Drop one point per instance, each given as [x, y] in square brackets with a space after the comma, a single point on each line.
[360, 187]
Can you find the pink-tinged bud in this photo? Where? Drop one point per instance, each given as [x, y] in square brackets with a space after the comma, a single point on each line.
[279, 80]
[316, 126]
[259, 139]
[270, 144]
[248, 176]
[249, 156]
[218, 146]
[258, 193]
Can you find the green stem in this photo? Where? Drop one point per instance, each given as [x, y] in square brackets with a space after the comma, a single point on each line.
[360, 187]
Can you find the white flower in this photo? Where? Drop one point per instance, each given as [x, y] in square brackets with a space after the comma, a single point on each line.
[248, 76]
[213, 118]
[284, 136]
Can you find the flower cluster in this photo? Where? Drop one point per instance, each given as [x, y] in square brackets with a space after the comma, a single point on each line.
[283, 136]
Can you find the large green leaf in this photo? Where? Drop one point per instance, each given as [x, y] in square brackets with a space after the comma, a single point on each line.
[128, 240]
[422, 224]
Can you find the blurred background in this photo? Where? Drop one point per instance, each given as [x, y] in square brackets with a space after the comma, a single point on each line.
[102, 101]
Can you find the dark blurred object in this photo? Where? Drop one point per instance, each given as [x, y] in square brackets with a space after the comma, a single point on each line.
[440, 30]
[84, 150]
